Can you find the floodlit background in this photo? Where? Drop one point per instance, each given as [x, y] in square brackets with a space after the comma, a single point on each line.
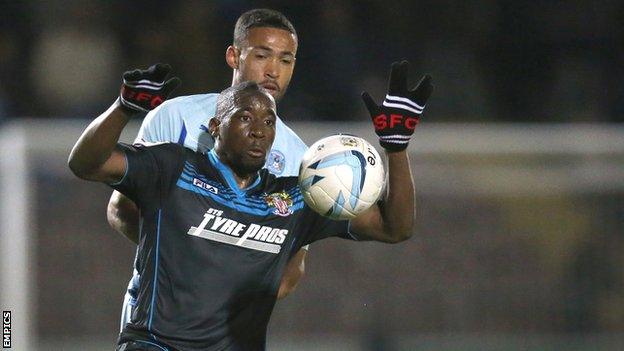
[519, 167]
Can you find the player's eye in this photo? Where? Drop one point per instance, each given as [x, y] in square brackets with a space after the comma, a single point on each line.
[261, 56]
[269, 122]
[287, 61]
[245, 118]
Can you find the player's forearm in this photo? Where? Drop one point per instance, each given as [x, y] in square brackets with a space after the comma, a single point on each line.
[392, 221]
[97, 142]
[395, 120]
[398, 209]
[293, 273]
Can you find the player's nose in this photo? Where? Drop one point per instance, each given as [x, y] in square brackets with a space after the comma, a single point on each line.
[271, 69]
[258, 129]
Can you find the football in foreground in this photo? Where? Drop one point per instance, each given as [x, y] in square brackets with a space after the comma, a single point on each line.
[341, 176]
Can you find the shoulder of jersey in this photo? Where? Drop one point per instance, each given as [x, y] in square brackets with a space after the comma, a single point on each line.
[278, 182]
[190, 102]
[149, 143]
[287, 133]
[163, 146]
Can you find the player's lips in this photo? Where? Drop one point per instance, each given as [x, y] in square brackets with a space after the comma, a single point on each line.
[270, 86]
[256, 152]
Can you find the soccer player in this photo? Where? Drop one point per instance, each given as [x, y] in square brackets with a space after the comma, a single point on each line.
[264, 50]
[212, 243]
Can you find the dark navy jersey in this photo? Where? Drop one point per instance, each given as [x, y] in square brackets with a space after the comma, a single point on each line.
[211, 255]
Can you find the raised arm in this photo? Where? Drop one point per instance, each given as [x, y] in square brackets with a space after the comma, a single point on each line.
[392, 219]
[122, 213]
[95, 156]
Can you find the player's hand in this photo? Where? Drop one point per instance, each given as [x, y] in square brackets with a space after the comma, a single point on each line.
[144, 90]
[397, 117]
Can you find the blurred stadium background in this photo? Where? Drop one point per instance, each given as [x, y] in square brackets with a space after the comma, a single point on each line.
[519, 167]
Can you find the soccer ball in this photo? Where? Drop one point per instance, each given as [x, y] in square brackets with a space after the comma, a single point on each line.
[341, 176]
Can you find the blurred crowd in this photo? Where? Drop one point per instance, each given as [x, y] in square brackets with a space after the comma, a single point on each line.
[546, 61]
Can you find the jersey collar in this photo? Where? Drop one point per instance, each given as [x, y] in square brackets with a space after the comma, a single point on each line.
[227, 174]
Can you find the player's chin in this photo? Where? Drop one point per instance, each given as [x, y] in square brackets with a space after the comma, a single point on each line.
[253, 164]
[277, 94]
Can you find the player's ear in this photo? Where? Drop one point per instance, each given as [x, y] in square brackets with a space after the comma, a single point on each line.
[232, 56]
[213, 127]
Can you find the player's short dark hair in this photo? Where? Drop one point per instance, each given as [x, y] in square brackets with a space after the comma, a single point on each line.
[260, 18]
[227, 97]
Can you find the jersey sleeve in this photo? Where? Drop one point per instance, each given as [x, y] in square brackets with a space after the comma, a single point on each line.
[162, 124]
[150, 173]
[319, 227]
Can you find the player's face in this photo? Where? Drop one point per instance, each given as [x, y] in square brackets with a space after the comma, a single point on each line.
[267, 57]
[245, 136]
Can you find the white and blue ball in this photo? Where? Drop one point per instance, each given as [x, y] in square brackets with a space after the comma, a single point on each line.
[341, 176]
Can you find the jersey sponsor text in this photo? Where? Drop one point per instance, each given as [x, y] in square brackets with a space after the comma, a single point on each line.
[253, 236]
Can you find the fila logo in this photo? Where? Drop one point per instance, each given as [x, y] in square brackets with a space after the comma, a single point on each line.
[199, 183]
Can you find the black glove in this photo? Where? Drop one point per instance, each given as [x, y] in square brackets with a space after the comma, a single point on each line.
[396, 118]
[143, 90]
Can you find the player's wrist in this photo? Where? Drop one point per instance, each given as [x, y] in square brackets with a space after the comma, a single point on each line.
[395, 149]
[125, 110]
[395, 154]
[394, 142]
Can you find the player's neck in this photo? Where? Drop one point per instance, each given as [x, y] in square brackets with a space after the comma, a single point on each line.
[242, 176]
[244, 181]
